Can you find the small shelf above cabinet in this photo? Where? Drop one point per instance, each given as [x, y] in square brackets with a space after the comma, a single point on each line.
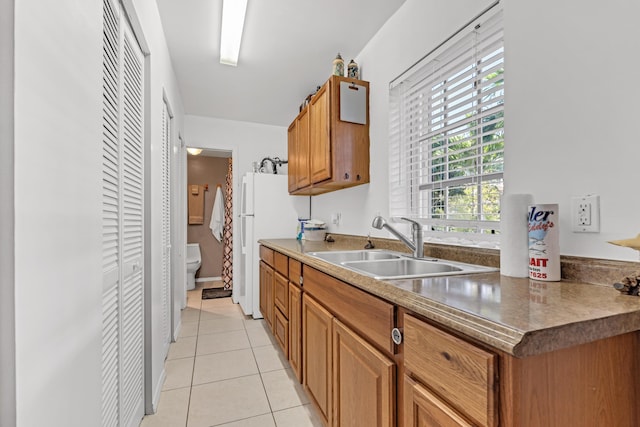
[329, 140]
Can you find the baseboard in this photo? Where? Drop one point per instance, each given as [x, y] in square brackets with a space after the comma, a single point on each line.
[208, 279]
[156, 393]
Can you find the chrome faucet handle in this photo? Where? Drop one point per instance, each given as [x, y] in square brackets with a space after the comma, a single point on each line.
[413, 222]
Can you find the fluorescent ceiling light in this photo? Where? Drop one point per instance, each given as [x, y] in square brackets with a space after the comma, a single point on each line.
[194, 151]
[233, 12]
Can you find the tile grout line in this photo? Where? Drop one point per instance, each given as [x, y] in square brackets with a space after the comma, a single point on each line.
[251, 347]
[186, 421]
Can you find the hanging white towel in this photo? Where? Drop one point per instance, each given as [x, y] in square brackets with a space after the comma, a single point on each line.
[217, 215]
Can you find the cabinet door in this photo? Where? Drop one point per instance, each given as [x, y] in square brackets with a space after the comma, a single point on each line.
[292, 149]
[316, 355]
[281, 331]
[363, 380]
[281, 294]
[295, 330]
[350, 140]
[302, 150]
[320, 154]
[423, 409]
[266, 293]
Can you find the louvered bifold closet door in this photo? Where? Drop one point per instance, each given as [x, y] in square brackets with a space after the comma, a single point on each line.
[166, 228]
[132, 232]
[122, 343]
[110, 218]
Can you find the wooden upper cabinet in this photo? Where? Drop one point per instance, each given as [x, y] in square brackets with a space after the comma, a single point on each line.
[330, 146]
[292, 148]
[302, 154]
[320, 150]
[298, 148]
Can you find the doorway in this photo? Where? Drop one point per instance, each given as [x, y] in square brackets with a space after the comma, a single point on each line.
[209, 221]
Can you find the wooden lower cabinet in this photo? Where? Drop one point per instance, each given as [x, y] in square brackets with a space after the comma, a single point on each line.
[363, 382]
[266, 292]
[281, 293]
[337, 338]
[281, 331]
[459, 372]
[316, 355]
[423, 409]
[351, 382]
[589, 385]
[449, 381]
[295, 330]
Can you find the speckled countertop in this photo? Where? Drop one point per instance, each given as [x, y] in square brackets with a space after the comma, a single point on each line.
[514, 315]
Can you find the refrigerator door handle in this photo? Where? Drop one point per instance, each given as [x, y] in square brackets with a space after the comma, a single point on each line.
[243, 232]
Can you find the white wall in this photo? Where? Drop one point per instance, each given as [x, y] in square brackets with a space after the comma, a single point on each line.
[585, 54]
[579, 135]
[58, 262]
[58, 203]
[161, 83]
[7, 306]
[415, 29]
[249, 142]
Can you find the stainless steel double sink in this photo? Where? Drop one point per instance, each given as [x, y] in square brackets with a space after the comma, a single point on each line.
[384, 264]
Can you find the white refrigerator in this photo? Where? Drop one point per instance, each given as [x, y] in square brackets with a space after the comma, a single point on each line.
[267, 211]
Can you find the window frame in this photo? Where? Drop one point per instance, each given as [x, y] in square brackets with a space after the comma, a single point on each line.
[412, 153]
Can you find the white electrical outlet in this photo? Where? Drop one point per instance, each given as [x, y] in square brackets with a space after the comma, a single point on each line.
[585, 214]
[335, 218]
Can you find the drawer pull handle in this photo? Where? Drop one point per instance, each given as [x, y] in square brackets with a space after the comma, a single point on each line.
[396, 336]
[446, 355]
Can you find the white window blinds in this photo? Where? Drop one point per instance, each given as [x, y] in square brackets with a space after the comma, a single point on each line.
[446, 132]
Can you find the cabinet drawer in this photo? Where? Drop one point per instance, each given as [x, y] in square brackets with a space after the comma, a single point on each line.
[365, 313]
[295, 271]
[458, 372]
[266, 255]
[281, 294]
[281, 331]
[422, 408]
[281, 263]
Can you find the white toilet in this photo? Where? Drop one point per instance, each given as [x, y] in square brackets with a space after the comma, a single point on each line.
[193, 264]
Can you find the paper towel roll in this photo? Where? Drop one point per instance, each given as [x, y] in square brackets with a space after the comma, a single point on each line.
[514, 235]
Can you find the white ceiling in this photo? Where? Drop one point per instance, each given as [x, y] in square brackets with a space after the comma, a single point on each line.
[287, 50]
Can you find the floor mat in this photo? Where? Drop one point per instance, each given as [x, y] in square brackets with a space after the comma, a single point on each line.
[211, 293]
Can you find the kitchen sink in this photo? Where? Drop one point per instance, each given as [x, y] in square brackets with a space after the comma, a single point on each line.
[382, 264]
[338, 257]
[405, 268]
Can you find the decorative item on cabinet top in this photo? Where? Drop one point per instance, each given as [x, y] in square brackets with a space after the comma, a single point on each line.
[338, 66]
[353, 72]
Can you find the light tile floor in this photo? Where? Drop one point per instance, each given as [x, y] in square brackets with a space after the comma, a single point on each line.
[226, 369]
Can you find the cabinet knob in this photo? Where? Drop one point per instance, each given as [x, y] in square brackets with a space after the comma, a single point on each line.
[358, 177]
[346, 176]
[396, 336]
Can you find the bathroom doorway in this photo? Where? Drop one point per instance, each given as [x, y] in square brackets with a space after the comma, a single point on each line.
[209, 215]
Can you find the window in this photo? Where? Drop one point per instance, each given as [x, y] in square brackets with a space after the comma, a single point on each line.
[447, 132]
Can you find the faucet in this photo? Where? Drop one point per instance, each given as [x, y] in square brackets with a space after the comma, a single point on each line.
[276, 161]
[416, 245]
